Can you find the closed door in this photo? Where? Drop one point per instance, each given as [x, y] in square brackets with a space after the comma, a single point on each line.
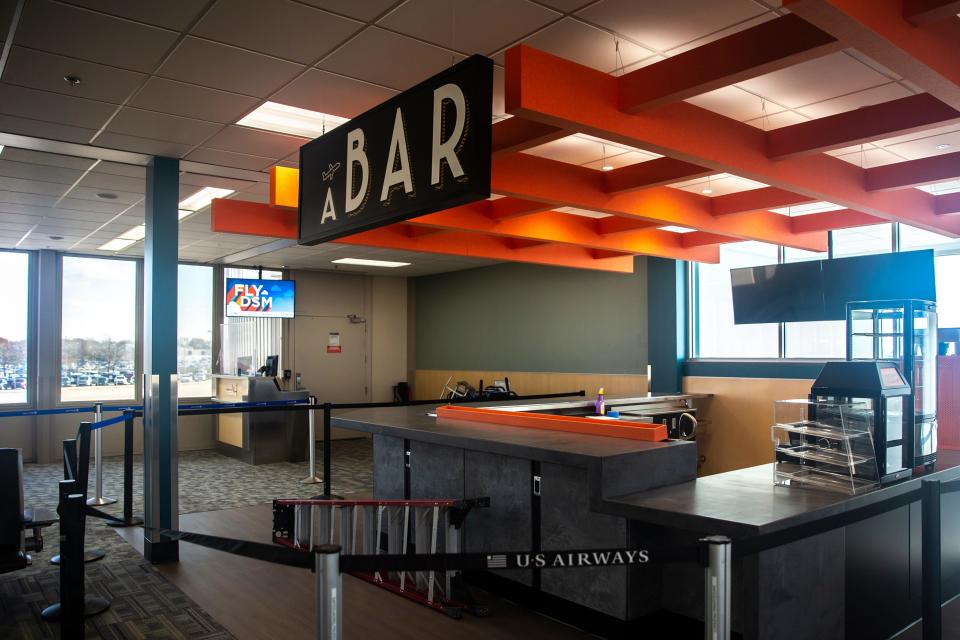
[331, 374]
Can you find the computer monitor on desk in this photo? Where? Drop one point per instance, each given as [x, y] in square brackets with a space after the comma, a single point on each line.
[270, 368]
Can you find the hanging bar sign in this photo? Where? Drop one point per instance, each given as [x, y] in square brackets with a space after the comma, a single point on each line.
[424, 150]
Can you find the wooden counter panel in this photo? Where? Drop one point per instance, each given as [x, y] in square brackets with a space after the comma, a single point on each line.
[230, 429]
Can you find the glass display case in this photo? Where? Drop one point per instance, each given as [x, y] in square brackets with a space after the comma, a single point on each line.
[904, 332]
[825, 445]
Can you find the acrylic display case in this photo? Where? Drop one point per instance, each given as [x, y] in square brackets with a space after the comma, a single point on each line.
[824, 445]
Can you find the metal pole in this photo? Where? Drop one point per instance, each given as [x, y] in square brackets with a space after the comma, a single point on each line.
[313, 478]
[98, 500]
[128, 518]
[716, 622]
[326, 451]
[329, 596]
[931, 596]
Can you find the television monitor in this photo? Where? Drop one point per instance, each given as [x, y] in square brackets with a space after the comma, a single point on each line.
[252, 298]
[270, 368]
[777, 293]
[908, 275]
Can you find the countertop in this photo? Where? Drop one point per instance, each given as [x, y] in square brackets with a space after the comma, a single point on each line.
[746, 502]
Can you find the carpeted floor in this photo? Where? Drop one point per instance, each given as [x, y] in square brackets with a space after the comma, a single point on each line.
[144, 604]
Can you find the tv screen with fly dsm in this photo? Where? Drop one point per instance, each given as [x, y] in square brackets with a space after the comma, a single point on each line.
[252, 298]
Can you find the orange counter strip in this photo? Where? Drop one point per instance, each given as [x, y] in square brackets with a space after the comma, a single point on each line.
[646, 431]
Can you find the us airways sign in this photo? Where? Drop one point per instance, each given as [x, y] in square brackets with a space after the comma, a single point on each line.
[424, 150]
[568, 559]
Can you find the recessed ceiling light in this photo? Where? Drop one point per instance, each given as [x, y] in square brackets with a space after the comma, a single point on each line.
[606, 167]
[282, 118]
[676, 229]
[202, 198]
[943, 146]
[105, 195]
[707, 191]
[370, 263]
[73, 81]
[55, 237]
[1, 148]
[116, 244]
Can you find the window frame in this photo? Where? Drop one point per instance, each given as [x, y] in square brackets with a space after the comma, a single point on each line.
[31, 384]
[216, 271]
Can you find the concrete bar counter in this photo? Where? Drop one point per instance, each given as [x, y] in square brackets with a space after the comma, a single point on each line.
[555, 491]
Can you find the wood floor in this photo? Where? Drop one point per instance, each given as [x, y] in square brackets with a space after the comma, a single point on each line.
[255, 600]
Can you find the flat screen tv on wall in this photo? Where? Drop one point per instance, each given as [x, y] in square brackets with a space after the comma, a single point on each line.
[251, 298]
[821, 289]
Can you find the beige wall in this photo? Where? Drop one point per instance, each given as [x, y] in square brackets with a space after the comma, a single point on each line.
[429, 383]
[388, 332]
[738, 419]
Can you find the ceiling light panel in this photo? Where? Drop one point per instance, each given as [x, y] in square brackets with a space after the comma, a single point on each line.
[675, 229]
[363, 262]
[282, 118]
[202, 198]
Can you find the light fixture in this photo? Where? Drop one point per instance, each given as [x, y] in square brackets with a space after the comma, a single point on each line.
[201, 199]
[606, 167]
[55, 237]
[73, 81]
[940, 147]
[105, 195]
[282, 118]
[603, 159]
[707, 190]
[370, 263]
[125, 239]
[676, 229]
[1, 148]
[117, 244]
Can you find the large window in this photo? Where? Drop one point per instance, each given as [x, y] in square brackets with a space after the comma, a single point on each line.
[718, 336]
[826, 339]
[13, 327]
[195, 331]
[99, 304]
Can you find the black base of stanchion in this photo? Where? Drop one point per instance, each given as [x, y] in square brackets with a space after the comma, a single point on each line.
[132, 522]
[89, 555]
[92, 605]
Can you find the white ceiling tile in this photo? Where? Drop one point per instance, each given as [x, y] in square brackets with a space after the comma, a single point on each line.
[733, 102]
[221, 66]
[96, 205]
[46, 173]
[172, 14]
[816, 80]
[26, 199]
[75, 32]
[47, 130]
[871, 158]
[41, 70]
[230, 159]
[388, 59]
[118, 169]
[583, 213]
[583, 149]
[849, 102]
[159, 126]
[255, 142]
[48, 159]
[192, 101]
[777, 120]
[365, 10]
[931, 134]
[293, 31]
[141, 145]
[20, 185]
[926, 147]
[467, 25]
[620, 160]
[719, 185]
[722, 33]
[53, 107]
[90, 193]
[329, 93]
[585, 44]
[112, 183]
[665, 25]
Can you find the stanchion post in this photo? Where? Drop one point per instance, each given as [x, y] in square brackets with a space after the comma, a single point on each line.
[327, 472]
[329, 596]
[715, 552]
[98, 499]
[931, 596]
[313, 478]
[128, 519]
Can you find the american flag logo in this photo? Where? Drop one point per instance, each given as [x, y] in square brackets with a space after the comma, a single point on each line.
[497, 562]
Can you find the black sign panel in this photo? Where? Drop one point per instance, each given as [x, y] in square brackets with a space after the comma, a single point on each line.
[424, 150]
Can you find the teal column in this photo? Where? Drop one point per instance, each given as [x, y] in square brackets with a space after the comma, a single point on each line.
[666, 322]
[160, 485]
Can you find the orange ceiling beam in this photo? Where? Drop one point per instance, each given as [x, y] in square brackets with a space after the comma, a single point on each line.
[565, 228]
[947, 203]
[652, 173]
[516, 134]
[478, 245]
[923, 12]
[913, 173]
[829, 220]
[766, 47]
[756, 200]
[703, 238]
[883, 120]
[524, 176]
[243, 217]
[561, 93]
[926, 56]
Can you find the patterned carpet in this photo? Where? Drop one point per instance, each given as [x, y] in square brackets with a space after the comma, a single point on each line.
[144, 605]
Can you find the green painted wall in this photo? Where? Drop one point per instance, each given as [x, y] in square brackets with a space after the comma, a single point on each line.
[519, 317]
